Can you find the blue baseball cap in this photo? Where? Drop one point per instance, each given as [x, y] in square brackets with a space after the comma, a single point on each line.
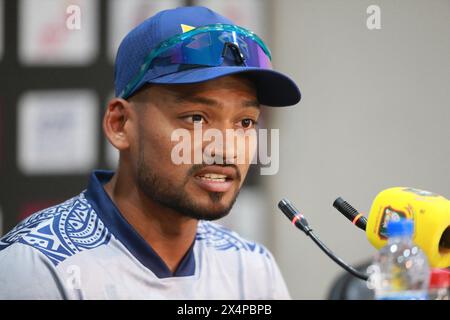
[273, 88]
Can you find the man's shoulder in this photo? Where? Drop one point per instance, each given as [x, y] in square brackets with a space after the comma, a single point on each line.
[221, 238]
[61, 231]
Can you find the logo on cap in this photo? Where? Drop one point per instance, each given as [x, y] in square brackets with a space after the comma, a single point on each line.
[186, 28]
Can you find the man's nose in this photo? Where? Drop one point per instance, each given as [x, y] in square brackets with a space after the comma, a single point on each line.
[238, 147]
[222, 148]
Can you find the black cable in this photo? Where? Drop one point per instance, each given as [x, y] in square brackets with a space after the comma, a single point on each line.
[300, 222]
[336, 259]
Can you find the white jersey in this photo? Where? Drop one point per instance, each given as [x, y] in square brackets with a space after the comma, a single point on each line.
[85, 249]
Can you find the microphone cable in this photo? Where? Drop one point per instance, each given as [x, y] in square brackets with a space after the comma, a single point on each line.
[301, 223]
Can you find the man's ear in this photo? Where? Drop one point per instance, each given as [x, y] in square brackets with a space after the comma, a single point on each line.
[116, 124]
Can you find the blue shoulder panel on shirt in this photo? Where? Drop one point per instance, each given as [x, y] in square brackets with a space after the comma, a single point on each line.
[60, 231]
[221, 238]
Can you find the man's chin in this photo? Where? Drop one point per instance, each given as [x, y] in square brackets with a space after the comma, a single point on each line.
[212, 206]
[189, 200]
[209, 211]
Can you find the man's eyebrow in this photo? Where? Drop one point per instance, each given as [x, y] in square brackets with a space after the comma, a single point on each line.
[211, 102]
[252, 103]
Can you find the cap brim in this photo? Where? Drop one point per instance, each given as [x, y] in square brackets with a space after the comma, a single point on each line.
[273, 88]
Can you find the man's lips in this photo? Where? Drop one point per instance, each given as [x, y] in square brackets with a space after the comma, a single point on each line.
[214, 170]
[216, 178]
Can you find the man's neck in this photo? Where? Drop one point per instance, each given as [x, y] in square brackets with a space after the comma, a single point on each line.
[168, 233]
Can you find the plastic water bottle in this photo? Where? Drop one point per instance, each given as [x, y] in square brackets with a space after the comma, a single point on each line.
[400, 270]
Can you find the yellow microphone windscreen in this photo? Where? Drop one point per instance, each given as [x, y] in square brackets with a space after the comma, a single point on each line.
[431, 215]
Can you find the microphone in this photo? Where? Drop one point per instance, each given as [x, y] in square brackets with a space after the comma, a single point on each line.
[429, 211]
[301, 223]
[350, 213]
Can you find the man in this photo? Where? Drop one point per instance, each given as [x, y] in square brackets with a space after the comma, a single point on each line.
[144, 232]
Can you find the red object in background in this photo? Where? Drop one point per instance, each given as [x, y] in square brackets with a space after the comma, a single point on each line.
[439, 288]
[29, 208]
[439, 278]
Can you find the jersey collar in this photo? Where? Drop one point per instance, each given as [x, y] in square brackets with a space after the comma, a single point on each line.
[125, 233]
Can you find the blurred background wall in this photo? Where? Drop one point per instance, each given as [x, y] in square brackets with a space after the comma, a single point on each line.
[374, 114]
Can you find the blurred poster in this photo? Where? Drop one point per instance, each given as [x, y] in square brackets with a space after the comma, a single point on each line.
[250, 14]
[29, 208]
[57, 132]
[2, 27]
[125, 15]
[58, 32]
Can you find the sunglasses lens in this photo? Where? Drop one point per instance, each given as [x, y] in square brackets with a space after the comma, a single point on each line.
[214, 49]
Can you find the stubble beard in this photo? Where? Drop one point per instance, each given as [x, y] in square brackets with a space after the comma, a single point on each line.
[175, 197]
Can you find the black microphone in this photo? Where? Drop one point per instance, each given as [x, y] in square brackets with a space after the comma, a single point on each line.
[300, 222]
[350, 213]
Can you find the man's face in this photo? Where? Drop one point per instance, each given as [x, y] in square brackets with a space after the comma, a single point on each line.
[199, 191]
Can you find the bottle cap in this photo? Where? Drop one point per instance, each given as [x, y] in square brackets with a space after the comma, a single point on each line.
[439, 278]
[402, 227]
